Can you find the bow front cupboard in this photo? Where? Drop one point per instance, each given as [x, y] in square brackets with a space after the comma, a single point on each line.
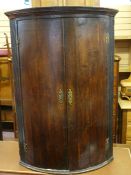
[63, 73]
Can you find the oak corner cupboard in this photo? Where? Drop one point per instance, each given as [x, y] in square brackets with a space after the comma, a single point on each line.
[63, 74]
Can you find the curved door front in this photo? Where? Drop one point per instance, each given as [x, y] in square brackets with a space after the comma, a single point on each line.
[64, 92]
[42, 81]
[89, 59]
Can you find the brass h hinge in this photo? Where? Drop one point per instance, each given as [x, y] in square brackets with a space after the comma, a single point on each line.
[17, 41]
[25, 147]
[107, 38]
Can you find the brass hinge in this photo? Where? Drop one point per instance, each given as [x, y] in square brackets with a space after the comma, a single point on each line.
[25, 147]
[107, 143]
[17, 41]
[107, 38]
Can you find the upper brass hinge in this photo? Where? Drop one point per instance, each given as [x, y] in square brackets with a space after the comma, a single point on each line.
[107, 38]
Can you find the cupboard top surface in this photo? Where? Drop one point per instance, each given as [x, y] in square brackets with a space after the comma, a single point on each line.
[64, 10]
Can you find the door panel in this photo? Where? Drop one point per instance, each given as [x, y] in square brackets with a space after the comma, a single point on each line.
[87, 77]
[78, 111]
[42, 79]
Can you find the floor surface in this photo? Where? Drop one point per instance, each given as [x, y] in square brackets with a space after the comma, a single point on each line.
[8, 135]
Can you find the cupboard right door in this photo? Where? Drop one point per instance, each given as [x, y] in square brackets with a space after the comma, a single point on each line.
[88, 90]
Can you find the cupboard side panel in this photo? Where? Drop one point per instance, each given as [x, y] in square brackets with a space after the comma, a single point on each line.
[17, 86]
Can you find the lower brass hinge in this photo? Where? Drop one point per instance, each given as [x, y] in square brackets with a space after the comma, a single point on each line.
[25, 147]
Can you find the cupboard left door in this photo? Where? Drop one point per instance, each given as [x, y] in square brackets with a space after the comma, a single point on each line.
[41, 71]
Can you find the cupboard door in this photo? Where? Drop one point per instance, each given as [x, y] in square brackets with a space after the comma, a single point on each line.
[87, 91]
[42, 81]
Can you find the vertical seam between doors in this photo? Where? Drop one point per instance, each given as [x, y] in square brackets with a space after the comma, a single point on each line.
[65, 89]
